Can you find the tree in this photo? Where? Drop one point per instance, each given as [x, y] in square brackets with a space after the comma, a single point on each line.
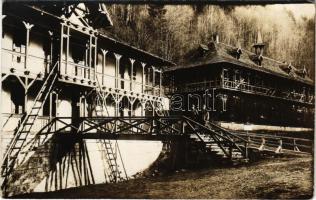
[171, 31]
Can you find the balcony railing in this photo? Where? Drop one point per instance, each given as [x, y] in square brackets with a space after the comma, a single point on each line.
[16, 60]
[239, 86]
[192, 87]
[77, 70]
[126, 84]
[236, 85]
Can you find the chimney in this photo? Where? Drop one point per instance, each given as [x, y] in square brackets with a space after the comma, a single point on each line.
[259, 45]
[216, 38]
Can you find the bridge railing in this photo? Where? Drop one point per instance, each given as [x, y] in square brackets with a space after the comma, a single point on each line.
[166, 127]
[277, 143]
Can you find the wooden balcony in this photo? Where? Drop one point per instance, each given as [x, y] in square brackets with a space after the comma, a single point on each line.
[242, 87]
[14, 62]
[77, 73]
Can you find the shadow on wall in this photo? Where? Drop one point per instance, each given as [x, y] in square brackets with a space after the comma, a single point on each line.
[57, 164]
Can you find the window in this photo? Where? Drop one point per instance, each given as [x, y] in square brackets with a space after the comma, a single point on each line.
[225, 75]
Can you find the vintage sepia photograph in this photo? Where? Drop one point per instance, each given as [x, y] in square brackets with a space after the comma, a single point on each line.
[157, 99]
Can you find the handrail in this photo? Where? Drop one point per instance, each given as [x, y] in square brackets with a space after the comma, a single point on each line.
[76, 64]
[271, 136]
[21, 54]
[24, 120]
[284, 142]
[205, 127]
[226, 131]
[232, 142]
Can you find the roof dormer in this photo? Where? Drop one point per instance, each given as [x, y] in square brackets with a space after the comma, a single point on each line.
[287, 68]
[301, 72]
[203, 49]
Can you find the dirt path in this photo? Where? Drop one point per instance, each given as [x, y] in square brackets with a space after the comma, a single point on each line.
[287, 177]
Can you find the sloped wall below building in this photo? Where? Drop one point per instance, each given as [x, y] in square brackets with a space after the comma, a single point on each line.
[63, 162]
[43, 160]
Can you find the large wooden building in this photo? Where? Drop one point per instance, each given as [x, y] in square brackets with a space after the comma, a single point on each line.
[242, 86]
[56, 63]
[36, 37]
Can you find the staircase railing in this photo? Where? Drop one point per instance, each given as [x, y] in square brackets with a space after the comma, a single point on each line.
[222, 137]
[27, 123]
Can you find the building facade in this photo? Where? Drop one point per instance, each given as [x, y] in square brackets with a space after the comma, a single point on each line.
[55, 63]
[33, 43]
[242, 86]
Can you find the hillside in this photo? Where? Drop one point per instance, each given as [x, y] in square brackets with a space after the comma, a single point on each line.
[171, 31]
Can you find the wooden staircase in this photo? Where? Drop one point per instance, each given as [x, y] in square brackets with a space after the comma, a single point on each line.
[216, 143]
[22, 132]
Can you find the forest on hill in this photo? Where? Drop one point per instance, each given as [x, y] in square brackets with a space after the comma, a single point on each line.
[170, 31]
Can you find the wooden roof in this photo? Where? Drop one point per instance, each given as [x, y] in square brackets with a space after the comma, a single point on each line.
[223, 53]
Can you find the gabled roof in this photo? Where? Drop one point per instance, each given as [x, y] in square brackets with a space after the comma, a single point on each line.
[89, 14]
[223, 53]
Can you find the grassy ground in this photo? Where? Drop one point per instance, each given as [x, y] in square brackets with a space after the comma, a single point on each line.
[286, 177]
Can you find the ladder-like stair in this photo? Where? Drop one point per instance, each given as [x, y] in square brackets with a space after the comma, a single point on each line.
[111, 156]
[21, 134]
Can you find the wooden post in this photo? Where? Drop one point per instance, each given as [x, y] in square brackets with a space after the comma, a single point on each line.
[279, 148]
[90, 56]
[143, 77]
[51, 37]
[57, 105]
[117, 108]
[28, 29]
[213, 100]
[86, 72]
[104, 52]
[153, 80]
[50, 105]
[246, 150]
[262, 144]
[25, 94]
[117, 65]
[95, 56]
[67, 50]
[296, 149]
[182, 128]
[131, 77]
[160, 83]
[61, 46]
[143, 108]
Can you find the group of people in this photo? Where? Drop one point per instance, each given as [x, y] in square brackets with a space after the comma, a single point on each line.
[201, 116]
